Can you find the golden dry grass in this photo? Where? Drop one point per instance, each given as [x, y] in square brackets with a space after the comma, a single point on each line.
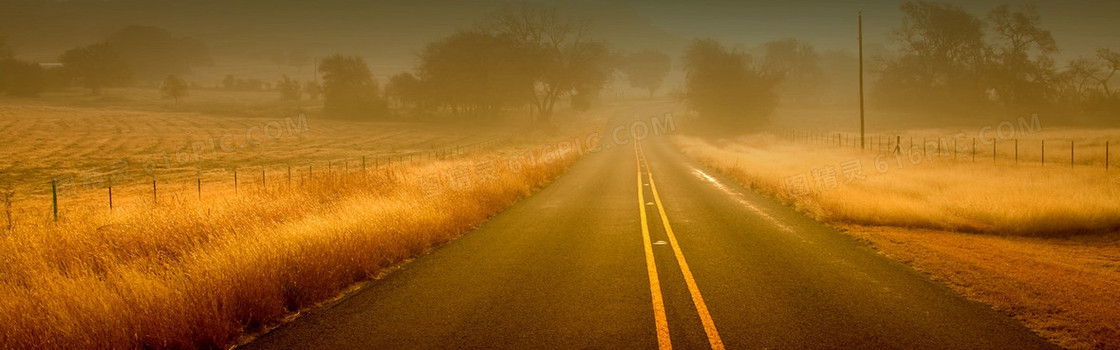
[1047, 253]
[199, 273]
[920, 191]
[196, 272]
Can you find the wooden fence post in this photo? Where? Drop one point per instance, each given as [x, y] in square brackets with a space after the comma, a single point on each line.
[54, 198]
[974, 150]
[1071, 153]
[1016, 151]
[235, 191]
[1043, 152]
[155, 199]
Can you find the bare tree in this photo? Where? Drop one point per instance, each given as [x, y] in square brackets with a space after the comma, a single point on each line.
[1111, 63]
[558, 48]
[1022, 68]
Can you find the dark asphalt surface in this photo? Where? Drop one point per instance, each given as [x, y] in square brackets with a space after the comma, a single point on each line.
[566, 269]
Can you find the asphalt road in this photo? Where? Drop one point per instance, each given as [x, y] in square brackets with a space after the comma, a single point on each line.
[711, 265]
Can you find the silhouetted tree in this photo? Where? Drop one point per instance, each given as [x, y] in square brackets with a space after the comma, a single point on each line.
[349, 89]
[19, 78]
[472, 71]
[1022, 68]
[557, 48]
[940, 58]
[97, 66]
[797, 64]
[1110, 63]
[405, 90]
[725, 89]
[173, 88]
[290, 89]
[646, 69]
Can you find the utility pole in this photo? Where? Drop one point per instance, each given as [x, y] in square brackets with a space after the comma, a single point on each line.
[861, 128]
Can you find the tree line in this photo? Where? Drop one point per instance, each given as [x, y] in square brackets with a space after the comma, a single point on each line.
[947, 60]
[1005, 59]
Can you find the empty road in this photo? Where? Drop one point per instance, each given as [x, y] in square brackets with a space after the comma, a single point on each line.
[639, 247]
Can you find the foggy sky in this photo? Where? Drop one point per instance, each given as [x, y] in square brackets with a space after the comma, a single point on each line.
[390, 33]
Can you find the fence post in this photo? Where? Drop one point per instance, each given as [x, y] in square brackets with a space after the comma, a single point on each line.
[1106, 156]
[1071, 153]
[1044, 152]
[235, 181]
[264, 180]
[994, 142]
[155, 199]
[363, 163]
[1016, 151]
[289, 174]
[199, 185]
[110, 196]
[974, 150]
[54, 199]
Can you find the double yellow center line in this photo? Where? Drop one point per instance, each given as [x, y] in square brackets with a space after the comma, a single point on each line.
[661, 321]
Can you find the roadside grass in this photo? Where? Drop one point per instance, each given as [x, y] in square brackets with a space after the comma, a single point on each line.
[1039, 243]
[204, 271]
[200, 273]
[921, 191]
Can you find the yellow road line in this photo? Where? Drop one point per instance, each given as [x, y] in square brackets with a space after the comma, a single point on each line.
[701, 307]
[660, 320]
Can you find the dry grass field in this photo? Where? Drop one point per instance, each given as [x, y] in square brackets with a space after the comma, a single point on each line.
[1036, 242]
[201, 271]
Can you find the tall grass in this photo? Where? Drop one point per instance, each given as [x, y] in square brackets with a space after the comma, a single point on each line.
[923, 192]
[200, 273]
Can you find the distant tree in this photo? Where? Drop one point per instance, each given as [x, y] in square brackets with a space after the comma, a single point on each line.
[560, 55]
[646, 69]
[405, 90]
[229, 82]
[19, 78]
[725, 89]
[349, 90]
[940, 58]
[290, 89]
[471, 71]
[1110, 63]
[173, 88]
[798, 66]
[313, 90]
[97, 66]
[1023, 70]
[153, 52]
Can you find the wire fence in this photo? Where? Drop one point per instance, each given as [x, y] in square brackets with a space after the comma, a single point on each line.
[1033, 150]
[117, 185]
